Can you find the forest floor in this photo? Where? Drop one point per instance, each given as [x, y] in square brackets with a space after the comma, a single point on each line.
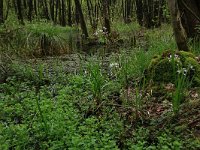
[97, 98]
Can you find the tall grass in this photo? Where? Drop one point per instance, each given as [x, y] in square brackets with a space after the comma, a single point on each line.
[96, 79]
[35, 38]
[139, 94]
[181, 82]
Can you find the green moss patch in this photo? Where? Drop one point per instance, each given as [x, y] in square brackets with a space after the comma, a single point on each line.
[166, 67]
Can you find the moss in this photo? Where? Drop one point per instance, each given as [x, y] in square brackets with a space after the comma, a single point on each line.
[161, 70]
[184, 54]
[194, 72]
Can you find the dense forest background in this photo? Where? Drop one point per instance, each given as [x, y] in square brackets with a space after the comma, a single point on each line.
[91, 16]
[99, 74]
[104, 15]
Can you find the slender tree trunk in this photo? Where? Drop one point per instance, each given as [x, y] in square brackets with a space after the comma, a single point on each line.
[52, 9]
[56, 15]
[1, 12]
[30, 5]
[77, 17]
[15, 6]
[46, 11]
[82, 20]
[8, 9]
[63, 23]
[179, 31]
[19, 12]
[69, 4]
[25, 4]
[60, 12]
[35, 7]
[139, 12]
[92, 14]
[106, 16]
[127, 11]
[148, 12]
[190, 16]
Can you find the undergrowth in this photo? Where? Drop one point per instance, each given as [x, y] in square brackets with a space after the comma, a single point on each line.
[36, 39]
[106, 103]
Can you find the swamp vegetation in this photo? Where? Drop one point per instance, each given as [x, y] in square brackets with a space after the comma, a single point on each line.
[99, 74]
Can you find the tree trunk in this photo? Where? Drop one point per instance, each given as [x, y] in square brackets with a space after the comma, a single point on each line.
[46, 11]
[56, 14]
[149, 12]
[190, 16]
[52, 9]
[1, 12]
[7, 11]
[92, 14]
[128, 11]
[139, 12]
[179, 31]
[63, 20]
[82, 20]
[19, 12]
[35, 7]
[30, 5]
[69, 4]
[106, 16]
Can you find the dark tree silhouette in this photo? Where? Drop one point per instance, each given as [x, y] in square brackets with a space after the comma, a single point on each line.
[19, 12]
[149, 12]
[185, 17]
[1, 12]
[63, 21]
[106, 16]
[128, 10]
[81, 17]
[30, 12]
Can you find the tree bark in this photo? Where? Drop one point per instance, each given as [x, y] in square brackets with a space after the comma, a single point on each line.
[179, 31]
[190, 16]
[69, 14]
[82, 20]
[63, 20]
[35, 7]
[46, 11]
[139, 12]
[1, 12]
[19, 12]
[106, 16]
[149, 12]
[52, 9]
[30, 5]
[127, 11]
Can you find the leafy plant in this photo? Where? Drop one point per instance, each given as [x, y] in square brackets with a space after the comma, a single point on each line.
[139, 94]
[96, 80]
[181, 81]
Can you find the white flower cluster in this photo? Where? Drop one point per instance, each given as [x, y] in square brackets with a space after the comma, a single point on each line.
[113, 67]
[184, 71]
[181, 70]
[176, 57]
[100, 32]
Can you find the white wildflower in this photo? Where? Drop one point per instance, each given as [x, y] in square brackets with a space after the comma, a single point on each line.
[176, 56]
[96, 33]
[114, 65]
[179, 71]
[184, 71]
[192, 67]
[100, 31]
[104, 28]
